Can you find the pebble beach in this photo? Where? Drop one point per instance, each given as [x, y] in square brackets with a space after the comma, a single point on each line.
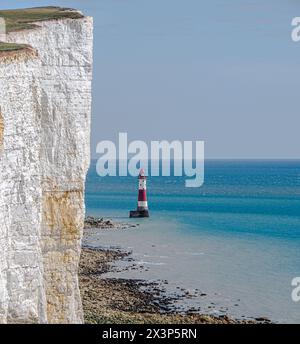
[117, 300]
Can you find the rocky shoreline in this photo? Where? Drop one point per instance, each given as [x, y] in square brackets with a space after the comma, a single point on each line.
[132, 301]
[107, 224]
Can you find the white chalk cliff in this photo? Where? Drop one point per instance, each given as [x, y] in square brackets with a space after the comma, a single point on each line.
[45, 110]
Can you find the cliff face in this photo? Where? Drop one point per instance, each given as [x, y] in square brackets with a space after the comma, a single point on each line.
[45, 106]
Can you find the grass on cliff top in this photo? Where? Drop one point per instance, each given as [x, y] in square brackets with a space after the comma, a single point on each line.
[11, 47]
[23, 19]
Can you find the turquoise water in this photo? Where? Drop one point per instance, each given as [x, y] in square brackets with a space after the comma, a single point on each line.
[237, 238]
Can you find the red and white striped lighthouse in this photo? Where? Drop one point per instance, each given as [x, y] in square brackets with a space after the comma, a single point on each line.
[142, 208]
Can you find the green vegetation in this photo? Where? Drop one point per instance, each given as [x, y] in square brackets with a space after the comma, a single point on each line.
[23, 19]
[11, 46]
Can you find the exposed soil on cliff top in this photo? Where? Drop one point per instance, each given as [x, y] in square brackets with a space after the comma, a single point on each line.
[13, 52]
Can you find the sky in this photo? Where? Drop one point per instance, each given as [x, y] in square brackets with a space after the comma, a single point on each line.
[222, 71]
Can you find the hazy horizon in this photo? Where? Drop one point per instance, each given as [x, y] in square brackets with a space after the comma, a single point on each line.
[225, 72]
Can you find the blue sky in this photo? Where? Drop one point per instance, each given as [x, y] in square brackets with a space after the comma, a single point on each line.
[222, 71]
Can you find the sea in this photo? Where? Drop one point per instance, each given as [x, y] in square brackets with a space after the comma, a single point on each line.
[236, 239]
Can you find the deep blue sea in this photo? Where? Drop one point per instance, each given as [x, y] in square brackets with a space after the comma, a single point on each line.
[236, 238]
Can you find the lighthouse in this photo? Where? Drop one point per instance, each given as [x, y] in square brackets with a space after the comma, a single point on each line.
[142, 207]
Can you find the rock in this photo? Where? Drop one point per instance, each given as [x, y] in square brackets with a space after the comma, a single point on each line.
[99, 223]
[262, 319]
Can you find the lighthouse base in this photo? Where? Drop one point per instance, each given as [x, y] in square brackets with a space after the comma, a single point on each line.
[138, 213]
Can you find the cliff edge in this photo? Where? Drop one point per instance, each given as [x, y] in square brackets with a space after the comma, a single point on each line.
[45, 112]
